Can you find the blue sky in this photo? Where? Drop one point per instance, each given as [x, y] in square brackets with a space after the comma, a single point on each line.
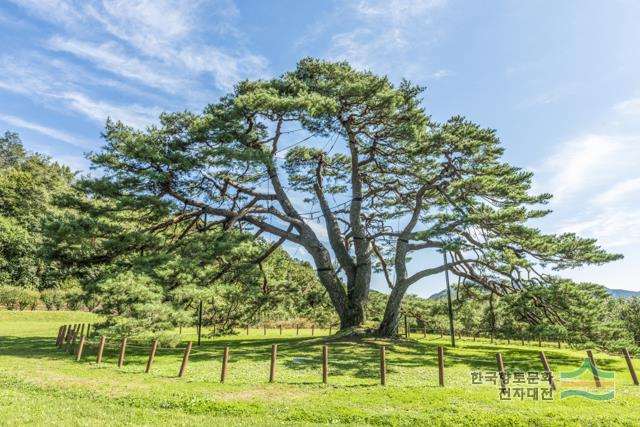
[560, 81]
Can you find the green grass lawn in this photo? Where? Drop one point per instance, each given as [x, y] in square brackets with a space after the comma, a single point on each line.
[40, 384]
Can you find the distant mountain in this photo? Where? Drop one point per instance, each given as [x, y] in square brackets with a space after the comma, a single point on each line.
[439, 295]
[616, 293]
[622, 293]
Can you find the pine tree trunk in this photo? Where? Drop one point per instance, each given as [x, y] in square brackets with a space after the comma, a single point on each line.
[389, 325]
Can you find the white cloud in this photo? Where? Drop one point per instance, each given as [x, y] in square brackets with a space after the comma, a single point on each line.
[111, 57]
[440, 74]
[160, 43]
[613, 227]
[621, 191]
[383, 35]
[58, 86]
[44, 130]
[580, 163]
[630, 107]
[133, 114]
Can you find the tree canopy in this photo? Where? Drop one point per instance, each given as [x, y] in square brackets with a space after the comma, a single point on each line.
[351, 168]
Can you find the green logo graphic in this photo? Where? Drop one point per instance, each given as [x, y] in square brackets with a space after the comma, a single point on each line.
[588, 382]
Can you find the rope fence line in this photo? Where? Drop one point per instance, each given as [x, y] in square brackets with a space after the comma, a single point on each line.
[68, 340]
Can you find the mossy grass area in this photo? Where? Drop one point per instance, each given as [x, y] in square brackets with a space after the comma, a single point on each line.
[42, 385]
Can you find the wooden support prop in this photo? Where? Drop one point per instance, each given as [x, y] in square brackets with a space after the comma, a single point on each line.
[152, 355]
[88, 329]
[501, 372]
[406, 327]
[441, 366]
[80, 348]
[545, 365]
[325, 363]
[632, 370]
[313, 330]
[199, 323]
[225, 362]
[66, 335]
[594, 369]
[123, 349]
[383, 365]
[82, 331]
[185, 359]
[100, 350]
[274, 356]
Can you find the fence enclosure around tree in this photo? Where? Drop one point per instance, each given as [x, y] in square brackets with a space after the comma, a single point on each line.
[75, 338]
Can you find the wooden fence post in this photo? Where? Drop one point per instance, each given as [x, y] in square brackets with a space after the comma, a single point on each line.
[383, 365]
[69, 337]
[274, 355]
[73, 343]
[123, 348]
[441, 365]
[225, 361]
[80, 348]
[594, 368]
[67, 344]
[545, 365]
[63, 336]
[325, 363]
[100, 350]
[59, 334]
[152, 355]
[503, 375]
[185, 359]
[632, 370]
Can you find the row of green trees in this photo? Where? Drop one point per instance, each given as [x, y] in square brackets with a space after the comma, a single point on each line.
[595, 319]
